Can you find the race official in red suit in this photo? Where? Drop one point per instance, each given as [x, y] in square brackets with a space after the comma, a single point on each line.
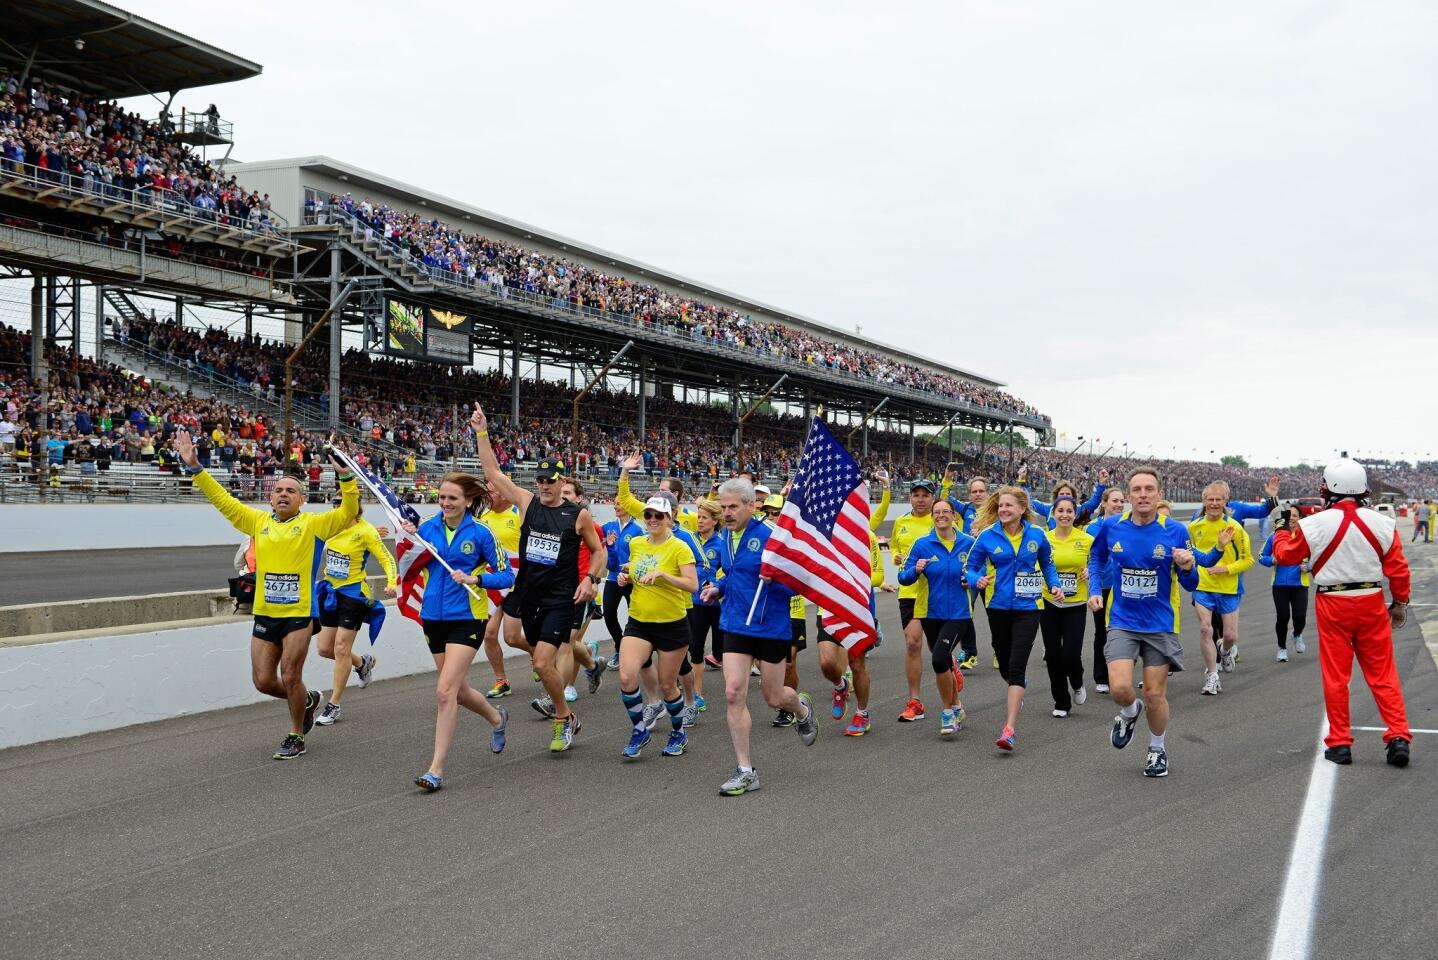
[1352, 550]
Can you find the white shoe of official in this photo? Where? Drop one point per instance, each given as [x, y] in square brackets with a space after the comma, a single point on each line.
[1080, 696]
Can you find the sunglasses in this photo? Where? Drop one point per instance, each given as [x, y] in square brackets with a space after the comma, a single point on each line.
[651, 515]
[546, 479]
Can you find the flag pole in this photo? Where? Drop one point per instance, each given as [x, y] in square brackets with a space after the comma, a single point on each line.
[360, 476]
[755, 602]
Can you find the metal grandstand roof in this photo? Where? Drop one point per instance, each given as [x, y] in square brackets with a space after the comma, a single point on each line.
[102, 50]
[458, 210]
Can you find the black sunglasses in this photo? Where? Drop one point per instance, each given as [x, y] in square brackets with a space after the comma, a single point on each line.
[651, 515]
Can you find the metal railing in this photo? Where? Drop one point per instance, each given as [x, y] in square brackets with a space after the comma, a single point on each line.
[689, 338]
[142, 201]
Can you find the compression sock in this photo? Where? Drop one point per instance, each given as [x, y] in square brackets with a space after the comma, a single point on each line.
[675, 708]
[634, 704]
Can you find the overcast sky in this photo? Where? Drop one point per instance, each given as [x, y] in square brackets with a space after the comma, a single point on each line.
[1199, 225]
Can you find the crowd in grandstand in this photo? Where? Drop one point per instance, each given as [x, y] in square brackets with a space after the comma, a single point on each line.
[411, 413]
[567, 283]
[98, 146]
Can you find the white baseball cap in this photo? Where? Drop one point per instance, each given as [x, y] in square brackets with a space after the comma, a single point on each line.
[659, 505]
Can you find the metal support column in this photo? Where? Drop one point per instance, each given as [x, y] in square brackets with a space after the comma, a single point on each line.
[179, 311]
[514, 382]
[39, 379]
[249, 320]
[336, 337]
[99, 323]
[643, 390]
[911, 438]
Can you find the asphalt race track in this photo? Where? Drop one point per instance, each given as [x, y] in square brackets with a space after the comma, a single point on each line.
[183, 838]
[49, 577]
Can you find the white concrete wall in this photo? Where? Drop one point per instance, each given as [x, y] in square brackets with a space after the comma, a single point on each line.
[71, 687]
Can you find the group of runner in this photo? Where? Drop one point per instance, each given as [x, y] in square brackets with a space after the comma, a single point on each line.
[524, 568]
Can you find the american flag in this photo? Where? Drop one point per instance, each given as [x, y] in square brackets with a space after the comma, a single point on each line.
[411, 554]
[820, 545]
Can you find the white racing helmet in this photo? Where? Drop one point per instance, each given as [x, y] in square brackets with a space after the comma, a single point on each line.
[1345, 478]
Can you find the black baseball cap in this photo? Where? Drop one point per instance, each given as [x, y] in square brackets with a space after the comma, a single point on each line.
[550, 469]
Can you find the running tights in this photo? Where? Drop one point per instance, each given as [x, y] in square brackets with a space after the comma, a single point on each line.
[944, 636]
[1100, 637]
[613, 593]
[703, 621]
[1289, 602]
[1063, 630]
[1013, 633]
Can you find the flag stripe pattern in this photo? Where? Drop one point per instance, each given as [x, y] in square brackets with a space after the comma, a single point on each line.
[820, 544]
[411, 556]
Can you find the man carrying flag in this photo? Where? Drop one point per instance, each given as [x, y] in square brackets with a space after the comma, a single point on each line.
[754, 616]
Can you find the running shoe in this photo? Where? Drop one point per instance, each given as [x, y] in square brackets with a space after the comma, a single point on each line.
[858, 726]
[593, 646]
[948, 726]
[564, 732]
[1398, 752]
[1342, 755]
[740, 783]
[700, 704]
[292, 746]
[312, 704]
[1080, 696]
[543, 706]
[500, 689]
[754, 671]
[841, 701]
[1212, 686]
[1156, 764]
[653, 713]
[570, 694]
[691, 716]
[1060, 714]
[365, 673]
[996, 661]
[1100, 688]
[969, 662]
[807, 724]
[958, 680]
[678, 739]
[712, 662]
[328, 715]
[783, 719]
[1123, 726]
[913, 710]
[1282, 656]
[959, 715]
[1006, 741]
[849, 678]
[614, 660]
[496, 736]
[534, 674]
[428, 782]
[1228, 659]
[638, 740]
[1299, 645]
[597, 674]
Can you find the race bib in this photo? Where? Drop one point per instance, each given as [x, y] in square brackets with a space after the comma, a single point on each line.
[542, 548]
[282, 588]
[337, 565]
[1138, 584]
[1028, 584]
[1068, 583]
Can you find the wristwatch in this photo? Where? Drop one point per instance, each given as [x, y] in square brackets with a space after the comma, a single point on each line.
[594, 578]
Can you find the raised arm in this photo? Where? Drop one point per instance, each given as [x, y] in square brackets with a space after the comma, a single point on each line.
[625, 498]
[877, 518]
[493, 475]
[243, 518]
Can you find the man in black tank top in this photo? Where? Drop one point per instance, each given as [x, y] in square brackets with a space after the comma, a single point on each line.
[548, 584]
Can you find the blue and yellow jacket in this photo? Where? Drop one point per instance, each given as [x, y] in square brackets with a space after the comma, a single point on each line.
[711, 557]
[1023, 565]
[618, 554]
[1145, 596]
[742, 558]
[948, 596]
[1284, 574]
[1082, 511]
[471, 549]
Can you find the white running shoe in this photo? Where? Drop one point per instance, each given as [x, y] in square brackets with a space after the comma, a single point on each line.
[1229, 658]
[1080, 696]
[570, 694]
[1211, 684]
[1282, 656]
[1298, 644]
[1060, 713]
[365, 673]
[1100, 688]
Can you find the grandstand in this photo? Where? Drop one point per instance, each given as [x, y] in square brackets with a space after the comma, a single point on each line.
[142, 259]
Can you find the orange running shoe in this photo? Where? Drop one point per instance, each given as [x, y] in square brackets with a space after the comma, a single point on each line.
[913, 710]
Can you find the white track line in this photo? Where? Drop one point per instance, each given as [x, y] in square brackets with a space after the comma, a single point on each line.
[1293, 930]
[1385, 729]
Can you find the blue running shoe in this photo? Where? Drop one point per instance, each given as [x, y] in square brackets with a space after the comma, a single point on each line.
[1123, 727]
[699, 703]
[638, 740]
[678, 739]
[496, 736]
[429, 782]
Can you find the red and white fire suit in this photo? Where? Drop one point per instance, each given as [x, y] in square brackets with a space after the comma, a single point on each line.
[1352, 549]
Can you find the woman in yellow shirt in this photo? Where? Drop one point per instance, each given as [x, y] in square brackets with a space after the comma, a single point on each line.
[1063, 621]
[346, 605]
[662, 570]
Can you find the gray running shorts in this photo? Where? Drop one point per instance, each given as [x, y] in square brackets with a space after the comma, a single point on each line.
[1155, 649]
